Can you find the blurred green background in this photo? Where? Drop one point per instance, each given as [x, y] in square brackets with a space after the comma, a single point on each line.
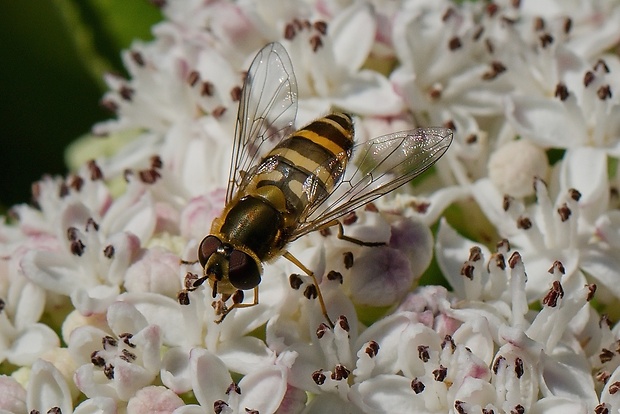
[53, 55]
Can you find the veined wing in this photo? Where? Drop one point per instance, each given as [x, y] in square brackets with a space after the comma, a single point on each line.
[377, 167]
[266, 114]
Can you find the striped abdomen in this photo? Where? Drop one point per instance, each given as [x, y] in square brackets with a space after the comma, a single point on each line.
[306, 166]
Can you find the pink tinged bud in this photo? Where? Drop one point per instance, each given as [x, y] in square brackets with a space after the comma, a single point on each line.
[382, 277]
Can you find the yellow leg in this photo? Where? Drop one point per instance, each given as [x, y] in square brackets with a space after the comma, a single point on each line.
[342, 236]
[310, 273]
[224, 310]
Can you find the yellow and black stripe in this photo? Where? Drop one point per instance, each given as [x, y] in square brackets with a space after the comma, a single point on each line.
[307, 165]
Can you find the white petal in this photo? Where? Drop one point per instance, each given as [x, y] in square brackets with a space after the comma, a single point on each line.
[362, 92]
[353, 32]
[386, 393]
[47, 388]
[129, 378]
[134, 212]
[210, 378]
[388, 333]
[97, 405]
[52, 271]
[490, 201]
[475, 334]
[164, 312]
[476, 391]
[175, 370]
[441, 199]
[94, 300]
[567, 374]
[30, 303]
[84, 341]
[603, 266]
[263, 390]
[126, 246]
[559, 405]
[31, 343]
[612, 399]
[92, 382]
[149, 341]
[244, 354]
[545, 121]
[452, 250]
[125, 318]
[585, 169]
[608, 228]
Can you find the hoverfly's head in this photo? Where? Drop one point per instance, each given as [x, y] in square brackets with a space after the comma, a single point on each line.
[228, 267]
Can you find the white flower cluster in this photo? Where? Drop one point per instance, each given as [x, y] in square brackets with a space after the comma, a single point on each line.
[90, 272]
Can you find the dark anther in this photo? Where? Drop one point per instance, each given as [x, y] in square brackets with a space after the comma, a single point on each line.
[519, 367]
[423, 353]
[295, 281]
[372, 349]
[311, 292]
[417, 386]
[321, 330]
[207, 88]
[340, 372]
[514, 259]
[318, 377]
[524, 223]
[440, 373]
[348, 260]
[333, 275]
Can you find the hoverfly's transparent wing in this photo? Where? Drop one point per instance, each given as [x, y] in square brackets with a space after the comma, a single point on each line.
[376, 168]
[266, 115]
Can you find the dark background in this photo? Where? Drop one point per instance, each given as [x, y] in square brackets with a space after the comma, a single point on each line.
[53, 54]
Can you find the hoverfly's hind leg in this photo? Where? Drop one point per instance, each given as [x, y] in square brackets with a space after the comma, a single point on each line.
[310, 273]
[237, 299]
[342, 236]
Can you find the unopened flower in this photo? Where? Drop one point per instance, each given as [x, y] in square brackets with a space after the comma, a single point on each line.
[513, 166]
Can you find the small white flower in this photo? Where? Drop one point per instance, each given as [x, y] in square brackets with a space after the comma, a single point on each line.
[552, 331]
[119, 362]
[47, 389]
[576, 108]
[262, 389]
[328, 60]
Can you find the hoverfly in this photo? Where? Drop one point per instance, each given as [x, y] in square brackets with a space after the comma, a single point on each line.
[285, 183]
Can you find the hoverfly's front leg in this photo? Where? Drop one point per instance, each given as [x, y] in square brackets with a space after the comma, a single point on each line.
[342, 236]
[237, 302]
[310, 273]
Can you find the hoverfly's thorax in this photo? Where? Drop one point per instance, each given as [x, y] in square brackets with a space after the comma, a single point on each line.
[253, 223]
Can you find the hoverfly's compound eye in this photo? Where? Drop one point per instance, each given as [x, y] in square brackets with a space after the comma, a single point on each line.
[208, 246]
[243, 274]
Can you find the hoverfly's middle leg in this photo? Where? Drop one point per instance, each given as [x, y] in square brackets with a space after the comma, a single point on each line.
[310, 273]
[342, 236]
